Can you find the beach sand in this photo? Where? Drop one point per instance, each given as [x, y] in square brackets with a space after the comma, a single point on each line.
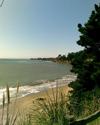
[28, 101]
[25, 104]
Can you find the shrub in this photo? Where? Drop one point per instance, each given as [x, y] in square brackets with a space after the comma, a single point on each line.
[85, 103]
[52, 110]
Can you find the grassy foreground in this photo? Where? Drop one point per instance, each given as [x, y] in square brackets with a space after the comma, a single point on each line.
[95, 122]
[50, 107]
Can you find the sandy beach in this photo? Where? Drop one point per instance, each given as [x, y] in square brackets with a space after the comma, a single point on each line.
[25, 104]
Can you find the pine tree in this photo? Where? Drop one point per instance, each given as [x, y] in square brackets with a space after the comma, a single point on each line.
[86, 63]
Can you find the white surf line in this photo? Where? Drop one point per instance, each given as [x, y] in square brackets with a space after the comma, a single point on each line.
[27, 89]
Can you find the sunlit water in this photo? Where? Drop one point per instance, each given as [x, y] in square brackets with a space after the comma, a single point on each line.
[30, 71]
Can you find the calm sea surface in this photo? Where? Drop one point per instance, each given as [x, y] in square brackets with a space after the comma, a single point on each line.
[27, 71]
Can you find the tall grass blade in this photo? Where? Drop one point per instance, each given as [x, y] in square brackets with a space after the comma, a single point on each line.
[18, 85]
[8, 94]
[8, 102]
[14, 117]
[14, 120]
[3, 105]
[53, 110]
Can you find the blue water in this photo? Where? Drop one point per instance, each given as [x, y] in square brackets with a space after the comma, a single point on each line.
[27, 71]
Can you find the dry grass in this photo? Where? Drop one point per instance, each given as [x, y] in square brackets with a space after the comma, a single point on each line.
[8, 118]
[18, 111]
[51, 109]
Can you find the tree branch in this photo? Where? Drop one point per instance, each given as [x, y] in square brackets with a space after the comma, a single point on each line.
[1, 3]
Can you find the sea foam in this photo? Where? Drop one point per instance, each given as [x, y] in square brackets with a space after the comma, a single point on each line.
[29, 89]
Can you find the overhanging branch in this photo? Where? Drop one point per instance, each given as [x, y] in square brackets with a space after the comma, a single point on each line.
[1, 3]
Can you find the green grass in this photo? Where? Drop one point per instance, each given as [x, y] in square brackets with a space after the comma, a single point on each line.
[95, 122]
[53, 110]
[83, 104]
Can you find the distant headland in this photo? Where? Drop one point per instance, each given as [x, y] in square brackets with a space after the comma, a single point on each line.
[60, 59]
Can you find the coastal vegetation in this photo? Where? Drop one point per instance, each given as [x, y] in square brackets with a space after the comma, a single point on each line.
[86, 63]
[85, 97]
[52, 110]
[59, 59]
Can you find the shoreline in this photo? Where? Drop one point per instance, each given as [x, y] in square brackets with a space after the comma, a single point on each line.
[45, 85]
[26, 103]
[30, 95]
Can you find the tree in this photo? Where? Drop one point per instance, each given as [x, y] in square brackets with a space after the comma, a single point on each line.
[61, 58]
[86, 63]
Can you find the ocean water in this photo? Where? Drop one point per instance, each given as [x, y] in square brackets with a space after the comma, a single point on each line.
[32, 75]
[27, 71]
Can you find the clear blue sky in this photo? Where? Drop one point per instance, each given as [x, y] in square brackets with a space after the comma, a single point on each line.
[41, 28]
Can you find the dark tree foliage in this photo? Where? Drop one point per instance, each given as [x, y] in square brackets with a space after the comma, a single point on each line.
[85, 98]
[86, 63]
[61, 58]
